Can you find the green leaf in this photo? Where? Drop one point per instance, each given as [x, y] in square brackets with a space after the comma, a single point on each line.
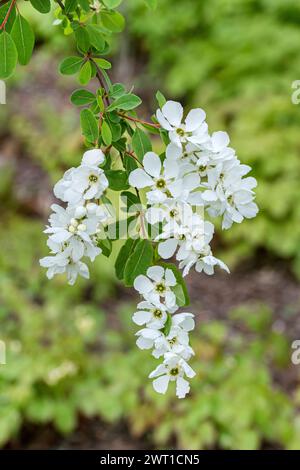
[112, 3]
[118, 180]
[141, 143]
[113, 21]
[11, 19]
[82, 97]
[168, 325]
[129, 163]
[125, 102]
[96, 36]
[82, 38]
[160, 99]
[70, 5]
[8, 55]
[123, 256]
[43, 6]
[23, 36]
[116, 131]
[106, 133]
[180, 289]
[130, 199]
[70, 65]
[138, 262]
[85, 73]
[103, 64]
[106, 246]
[117, 90]
[85, 5]
[89, 125]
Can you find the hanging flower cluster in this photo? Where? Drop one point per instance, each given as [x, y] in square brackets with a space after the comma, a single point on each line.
[198, 173]
[164, 331]
[74, 231]
[168, 201]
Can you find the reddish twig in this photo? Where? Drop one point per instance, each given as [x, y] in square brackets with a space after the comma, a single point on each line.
[3, 24]
[129, 118]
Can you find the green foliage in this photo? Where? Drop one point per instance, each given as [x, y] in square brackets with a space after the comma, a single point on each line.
[125, 102]
[141, 143]
[43, 6]
[9, 55]
[23, 37]
[70, 65]
[89, 125]
[138, 262]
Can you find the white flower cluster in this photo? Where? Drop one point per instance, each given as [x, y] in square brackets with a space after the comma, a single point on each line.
[200, 173]
[74, 231]
[164, 330]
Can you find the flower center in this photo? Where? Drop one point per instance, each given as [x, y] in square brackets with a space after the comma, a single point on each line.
[180, 132]
[172, 341]
[174, 371]
[173, 213]
[93, 178]
[157, 313]
[160, 184]
[160, 288]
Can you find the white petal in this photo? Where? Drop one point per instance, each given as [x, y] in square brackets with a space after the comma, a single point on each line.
[173, 112]
[154, 215]
[160, 384]
[220, 140]
[162, 121]
[144, 343]
[249, 211]
[139, 179]
[93, 157]
[170, 299]
[170, 278]
[191, 181]
[173, 152]
[152, 164]
[141, 317]
[160, 369]
[167, 248]
[182, 387]
[170, 169]
[61, 236]
[194, 119]
[142, 284]
[156, 273]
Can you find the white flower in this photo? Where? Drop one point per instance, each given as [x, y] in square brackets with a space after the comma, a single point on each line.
[152, 315]
[177, 339]
[192, 235]
[61, 263]
[64, 226]
[174, 368]
[162, 179]
[230, 195]
[193, 130]
[85, 182]
[157, 285]
[73, 234]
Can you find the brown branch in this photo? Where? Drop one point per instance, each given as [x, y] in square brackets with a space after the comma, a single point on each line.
[101, 81]
[131, 154]
[129, 118]
[3, 24]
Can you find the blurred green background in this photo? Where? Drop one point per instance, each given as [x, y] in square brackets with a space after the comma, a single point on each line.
[74, 377]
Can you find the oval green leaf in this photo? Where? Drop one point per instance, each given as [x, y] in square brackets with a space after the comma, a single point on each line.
[23, 36]
[8, 54]
[43, 6]
[70, 65]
